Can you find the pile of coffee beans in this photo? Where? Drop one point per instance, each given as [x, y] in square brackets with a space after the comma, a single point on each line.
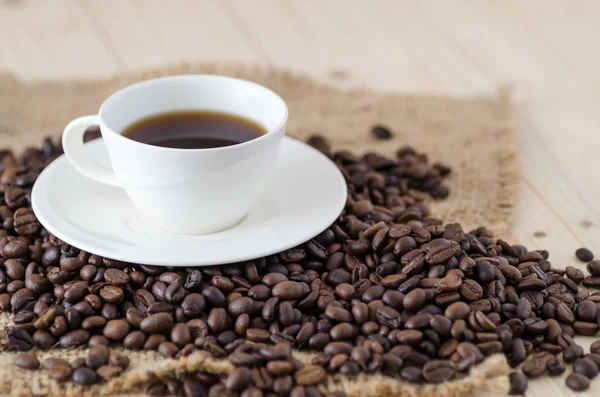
[387, 289]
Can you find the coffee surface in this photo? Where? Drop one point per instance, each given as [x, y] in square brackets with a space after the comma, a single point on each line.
[194, 130]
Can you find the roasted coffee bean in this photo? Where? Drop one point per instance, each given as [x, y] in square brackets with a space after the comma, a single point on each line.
[518, 383]
[27, 361]
[595, 347]
[576, 275]
[572, 353]
[78, 363]
[119, 360]
[556, 366]
[586, 367]
[584, 255]
[412, 374]
[438, 371]
[107, 372]
[457, 310]
[116, 277]
[310, 375]
[116, 329]
[577, 382]
[84, 377]
[238, 379]
[44, 339]
[381, 132]
[59, 371]
[586, 311]
[594, 268]
[74, 338]
[535, 367]
[168, 349]
[594, 357]
[414, 300]
[471, 290]
[134, 340]
[97, 357]
[157, 323]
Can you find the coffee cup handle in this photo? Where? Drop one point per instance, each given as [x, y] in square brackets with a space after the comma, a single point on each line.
[72, 142]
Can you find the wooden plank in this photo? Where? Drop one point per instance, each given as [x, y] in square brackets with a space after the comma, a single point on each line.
[151, 32]
[557, 118]
[48, 40]
[372, 41]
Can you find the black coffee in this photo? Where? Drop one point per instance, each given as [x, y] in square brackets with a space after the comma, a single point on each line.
[194, 130]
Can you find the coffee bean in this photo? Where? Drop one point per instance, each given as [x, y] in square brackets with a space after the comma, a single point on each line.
[59, 372]
[289, 290]
[577, 382]
[25, 223]
[414, 300]
[518, 383]
[78, 363]
[343, 331]
[134, 340]
[74, 338]
[595, 347]
[586, 367]
[310, 375]
[576, 275]
[119, 360]
[584, 255]
[15, 249]
[97, 357]
[438, 371]
[84, 377]
[157, 323]
[381, 132]
[181, 335]
[238, 379]
[457, 310]
[116, 329]
[168, 349]
[27, 361]
[556, 366]
[471, 290]
[585, 328]
[218, 320]
[586, 311]
[594, 268]
[156, 389]
[116, 277]
[107, 372]
[572, 353]
[411, 374]
[43, 339]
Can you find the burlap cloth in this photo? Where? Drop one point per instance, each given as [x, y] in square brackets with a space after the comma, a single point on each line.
[475, 136]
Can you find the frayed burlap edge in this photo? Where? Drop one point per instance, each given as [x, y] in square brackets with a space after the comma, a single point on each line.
[475, 136]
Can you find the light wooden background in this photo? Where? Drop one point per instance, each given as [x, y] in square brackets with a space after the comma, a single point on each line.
[548, 50]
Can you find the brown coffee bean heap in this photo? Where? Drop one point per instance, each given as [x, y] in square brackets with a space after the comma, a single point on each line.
[385, 289]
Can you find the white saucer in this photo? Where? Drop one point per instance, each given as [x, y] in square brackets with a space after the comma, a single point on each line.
[305, 196]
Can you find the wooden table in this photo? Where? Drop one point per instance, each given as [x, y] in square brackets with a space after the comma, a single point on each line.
[548, 50]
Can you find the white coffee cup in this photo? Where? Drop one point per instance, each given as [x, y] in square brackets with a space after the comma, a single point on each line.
[189, 191]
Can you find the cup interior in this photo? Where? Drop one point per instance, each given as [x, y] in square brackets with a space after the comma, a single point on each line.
[193, 92]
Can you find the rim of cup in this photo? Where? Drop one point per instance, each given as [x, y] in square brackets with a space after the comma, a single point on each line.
[254, 141]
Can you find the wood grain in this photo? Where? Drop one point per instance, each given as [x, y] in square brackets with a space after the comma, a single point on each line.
[545, 49]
